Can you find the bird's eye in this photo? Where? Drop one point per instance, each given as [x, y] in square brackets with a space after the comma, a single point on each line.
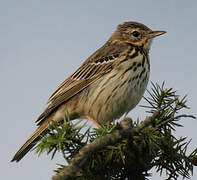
[135, 33]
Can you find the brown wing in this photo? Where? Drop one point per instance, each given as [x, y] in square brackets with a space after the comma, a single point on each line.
[100, 63]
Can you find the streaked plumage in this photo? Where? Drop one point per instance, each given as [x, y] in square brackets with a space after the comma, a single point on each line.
[108, 84]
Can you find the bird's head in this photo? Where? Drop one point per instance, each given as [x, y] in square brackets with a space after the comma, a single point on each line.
[136, 34]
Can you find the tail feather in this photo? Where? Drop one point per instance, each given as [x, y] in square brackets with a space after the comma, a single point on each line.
[31, 142]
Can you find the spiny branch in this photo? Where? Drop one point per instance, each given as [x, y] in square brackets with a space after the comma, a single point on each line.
[173, 118]
[123, 131]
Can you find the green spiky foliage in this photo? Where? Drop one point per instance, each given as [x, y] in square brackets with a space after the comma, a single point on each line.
[133, 157]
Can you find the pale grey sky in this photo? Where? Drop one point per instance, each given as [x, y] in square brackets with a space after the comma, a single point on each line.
[43, 42]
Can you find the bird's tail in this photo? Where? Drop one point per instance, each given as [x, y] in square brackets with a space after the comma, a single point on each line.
[31, 142]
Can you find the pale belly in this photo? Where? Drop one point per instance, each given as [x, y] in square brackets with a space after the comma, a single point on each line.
[116, 94]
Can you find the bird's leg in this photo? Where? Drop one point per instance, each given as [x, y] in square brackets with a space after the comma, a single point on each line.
[94, 121]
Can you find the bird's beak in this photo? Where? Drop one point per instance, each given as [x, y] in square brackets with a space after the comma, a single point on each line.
[155, 33]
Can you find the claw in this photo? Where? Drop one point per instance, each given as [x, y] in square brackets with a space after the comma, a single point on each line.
[94, 121]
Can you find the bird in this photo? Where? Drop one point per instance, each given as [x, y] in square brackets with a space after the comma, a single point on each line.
[109, 83]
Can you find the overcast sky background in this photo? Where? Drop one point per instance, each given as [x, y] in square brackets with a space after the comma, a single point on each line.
[43, 42]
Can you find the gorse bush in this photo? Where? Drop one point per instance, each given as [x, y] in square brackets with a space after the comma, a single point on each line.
[126, 150]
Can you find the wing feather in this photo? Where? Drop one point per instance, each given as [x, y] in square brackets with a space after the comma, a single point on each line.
[100, 63]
